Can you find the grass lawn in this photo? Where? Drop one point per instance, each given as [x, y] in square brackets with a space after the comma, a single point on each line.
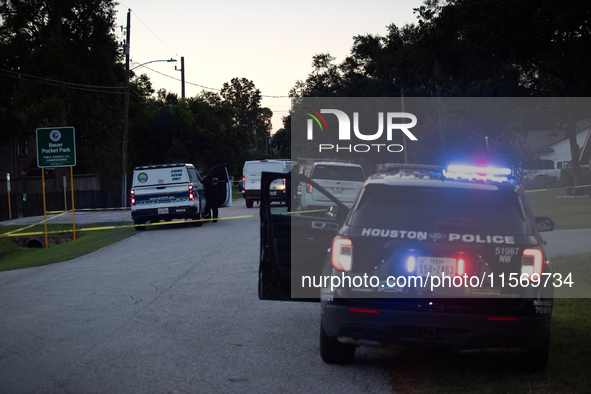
[12, 257]
[567, 213]
[439, 370]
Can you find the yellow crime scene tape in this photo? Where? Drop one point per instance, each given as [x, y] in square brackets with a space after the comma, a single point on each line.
[557, 188]
[18, 233]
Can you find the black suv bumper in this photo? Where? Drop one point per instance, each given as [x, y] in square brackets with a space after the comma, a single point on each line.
[363, 325]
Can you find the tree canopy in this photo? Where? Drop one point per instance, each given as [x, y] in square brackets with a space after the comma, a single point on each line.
[469, 48]
[63, 66]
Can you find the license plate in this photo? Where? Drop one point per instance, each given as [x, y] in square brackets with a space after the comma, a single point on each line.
[273, 193]
[337, 190]
[162, 211]
[180, 210]
[436, 266]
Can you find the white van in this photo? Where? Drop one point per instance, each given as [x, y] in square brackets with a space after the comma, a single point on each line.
[251, 177]
[173, 191]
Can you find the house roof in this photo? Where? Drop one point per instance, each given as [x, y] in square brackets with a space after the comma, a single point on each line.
[541, 141]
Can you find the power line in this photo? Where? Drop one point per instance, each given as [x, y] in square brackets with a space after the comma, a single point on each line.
[140, 19]
[63, 84]
[205, 87]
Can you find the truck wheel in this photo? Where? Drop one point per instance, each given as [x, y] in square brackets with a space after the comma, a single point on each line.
[199, 223]
[139, 225]
[334, 352]
[535, 360]
[248, 203]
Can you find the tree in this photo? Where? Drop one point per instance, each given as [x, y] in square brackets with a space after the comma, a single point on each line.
[281, 140]
[61, 65]
[324, 81]
[470, 48]
[542, 43]
[254, 121]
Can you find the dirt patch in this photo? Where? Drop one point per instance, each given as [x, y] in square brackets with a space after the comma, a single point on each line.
[38, 241]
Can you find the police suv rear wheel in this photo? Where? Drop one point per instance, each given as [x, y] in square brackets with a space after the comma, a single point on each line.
[139, 225]
[535, 360]
[249, 203]
[197, 221]
[334, 352]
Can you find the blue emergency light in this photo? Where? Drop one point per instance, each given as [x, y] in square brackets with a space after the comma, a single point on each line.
[475, 173]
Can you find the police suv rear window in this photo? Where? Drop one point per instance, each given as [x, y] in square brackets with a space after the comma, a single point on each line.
[440, 209]
[338, 173]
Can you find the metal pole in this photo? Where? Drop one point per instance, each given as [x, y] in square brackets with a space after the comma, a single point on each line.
[65, 194]
[73, 210]
[182, 77]
[44, 210]
[125, 115]
[8, 191]
[404, 137]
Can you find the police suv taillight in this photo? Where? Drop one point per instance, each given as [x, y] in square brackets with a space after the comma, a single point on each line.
[341, 254]
[309, 187]
[531, 263]
[191, 195]
[132, 192]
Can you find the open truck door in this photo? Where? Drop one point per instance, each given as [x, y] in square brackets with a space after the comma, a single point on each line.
[294, 242]
[220, 171]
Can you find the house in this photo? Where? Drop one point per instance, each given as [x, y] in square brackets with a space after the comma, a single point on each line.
[551, 149]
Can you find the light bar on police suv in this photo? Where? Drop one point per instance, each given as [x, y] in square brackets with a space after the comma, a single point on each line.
[471, 172]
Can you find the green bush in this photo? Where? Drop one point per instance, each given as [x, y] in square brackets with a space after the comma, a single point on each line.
[567, 173]
[550, 182]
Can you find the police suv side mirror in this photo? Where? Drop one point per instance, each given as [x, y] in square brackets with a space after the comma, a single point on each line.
[544, 223]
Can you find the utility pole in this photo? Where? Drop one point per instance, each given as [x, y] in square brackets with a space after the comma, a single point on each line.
[126, 49]
[404, 121]
[182, 70]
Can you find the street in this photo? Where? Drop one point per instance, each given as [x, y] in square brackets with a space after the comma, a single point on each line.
[172, 309]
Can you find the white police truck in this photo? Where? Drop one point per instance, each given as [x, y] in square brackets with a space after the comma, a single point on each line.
[174, 191]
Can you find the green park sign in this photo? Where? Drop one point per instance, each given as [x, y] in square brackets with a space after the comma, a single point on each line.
[56, 147]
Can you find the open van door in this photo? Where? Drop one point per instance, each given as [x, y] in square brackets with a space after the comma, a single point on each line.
[220, 171]
[293, 242]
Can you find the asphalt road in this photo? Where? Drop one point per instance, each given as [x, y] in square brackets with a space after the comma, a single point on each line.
[173, 309]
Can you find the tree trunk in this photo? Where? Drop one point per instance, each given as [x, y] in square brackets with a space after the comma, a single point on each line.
[571, 132]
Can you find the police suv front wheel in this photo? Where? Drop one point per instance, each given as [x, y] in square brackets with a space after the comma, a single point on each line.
[334, 352]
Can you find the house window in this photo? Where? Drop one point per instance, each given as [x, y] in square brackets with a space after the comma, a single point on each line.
[21, 149]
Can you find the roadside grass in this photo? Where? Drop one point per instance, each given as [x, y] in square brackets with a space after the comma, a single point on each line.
[440, 370]
[579, 269]
[236, 195]
[567, 213]
[13, 257]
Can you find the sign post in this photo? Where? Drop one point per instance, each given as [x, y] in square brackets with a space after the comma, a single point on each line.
[8, 189]
[56, 147]
[65, 185]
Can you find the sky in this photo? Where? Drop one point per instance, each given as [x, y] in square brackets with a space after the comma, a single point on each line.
[268, 42]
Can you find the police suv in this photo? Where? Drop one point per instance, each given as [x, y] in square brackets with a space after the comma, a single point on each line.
[173, 191]
[426, 256]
